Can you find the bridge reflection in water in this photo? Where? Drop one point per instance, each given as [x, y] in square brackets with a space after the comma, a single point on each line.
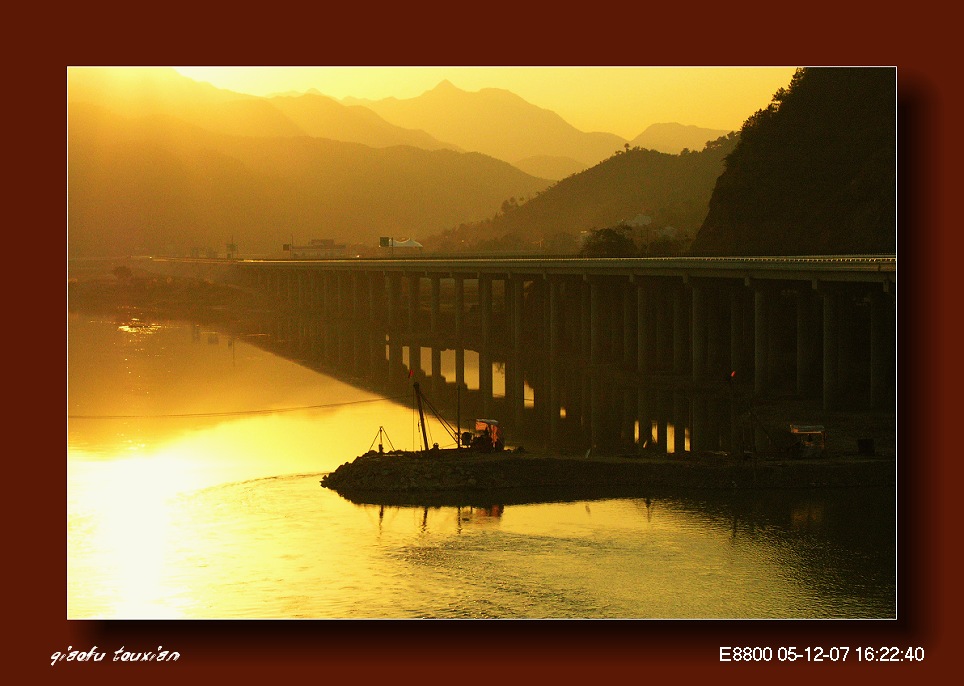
[612, 354]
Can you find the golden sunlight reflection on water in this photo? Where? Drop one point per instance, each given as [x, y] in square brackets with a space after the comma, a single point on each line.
[224, 517]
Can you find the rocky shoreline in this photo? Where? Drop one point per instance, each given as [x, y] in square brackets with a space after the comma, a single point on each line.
[461, 479]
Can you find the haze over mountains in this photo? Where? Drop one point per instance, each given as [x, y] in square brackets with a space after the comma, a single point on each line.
[499, 123]
[158, 185]
[159, 163]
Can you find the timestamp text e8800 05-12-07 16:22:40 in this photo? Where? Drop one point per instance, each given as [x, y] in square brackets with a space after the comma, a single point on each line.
[821, 654]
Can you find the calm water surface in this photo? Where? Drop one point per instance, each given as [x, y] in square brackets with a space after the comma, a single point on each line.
[193, 466]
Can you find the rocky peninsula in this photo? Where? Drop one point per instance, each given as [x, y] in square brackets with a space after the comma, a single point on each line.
[464, 478]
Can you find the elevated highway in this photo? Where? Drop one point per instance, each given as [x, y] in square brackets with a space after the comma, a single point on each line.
[819, 327]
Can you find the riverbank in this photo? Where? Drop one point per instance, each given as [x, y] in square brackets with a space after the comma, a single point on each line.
[113, 287]
[510, 477]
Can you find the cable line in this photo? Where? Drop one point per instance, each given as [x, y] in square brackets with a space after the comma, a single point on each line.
[228, 414]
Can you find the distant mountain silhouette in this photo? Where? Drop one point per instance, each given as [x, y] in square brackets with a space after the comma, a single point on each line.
[161, 164]
[150, 91]
[159, 185]
[674, 138]
[324, 117]
[667, 194]
[550, 166]
[494, 122]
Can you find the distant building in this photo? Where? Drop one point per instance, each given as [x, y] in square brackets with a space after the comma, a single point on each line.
[318, 249]
[406, 246]
[386, 242]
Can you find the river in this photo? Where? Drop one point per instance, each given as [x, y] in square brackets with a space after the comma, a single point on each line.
[193, 463]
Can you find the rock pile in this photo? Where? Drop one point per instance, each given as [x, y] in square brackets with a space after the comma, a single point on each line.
[448, 472]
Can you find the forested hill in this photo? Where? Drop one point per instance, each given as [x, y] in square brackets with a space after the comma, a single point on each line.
[813, 173]
[634, 187]
[159, 185]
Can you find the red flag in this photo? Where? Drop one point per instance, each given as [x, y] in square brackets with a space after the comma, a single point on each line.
[411, 373]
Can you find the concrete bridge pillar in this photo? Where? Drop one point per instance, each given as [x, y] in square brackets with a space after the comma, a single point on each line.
[515, 378]
[585, 308]
[630, 335]
[459, 308]
[680, 415]
[460, 332]
[354, 327]
[395, 364]
[342, 289]
[375, 289]
[415, 356]
[809, 336]
[485, 354]
[436, 304]
[393, 297]
[539, 294]
[595, 410]
[681, 327]
[324, 293]
[717, 334]
[460, 366]
[310, 302]
[659, 401]
[345, 349]
[762, 314]
[517, 295]
[644, 330]
[414, 296]
[437, 380]
[644, 419]
[662, 309]
[831, 348]
[627, 417]
[883, 319]
[572, 314]
[698, 330]
[719, 419]
[737, 442]
[555, 392]
[595, 323]
[357, 301]
[485, 307]
[555, 320]
[374, 285]
[700, 426]
[319, 288]
[613, 349]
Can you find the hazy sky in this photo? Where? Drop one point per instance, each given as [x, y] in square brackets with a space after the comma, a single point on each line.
[620, 100]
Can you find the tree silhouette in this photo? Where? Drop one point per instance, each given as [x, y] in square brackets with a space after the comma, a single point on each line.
[609, 243]
[813, 173]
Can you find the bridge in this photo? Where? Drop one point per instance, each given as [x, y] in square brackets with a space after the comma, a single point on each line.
[818, 327]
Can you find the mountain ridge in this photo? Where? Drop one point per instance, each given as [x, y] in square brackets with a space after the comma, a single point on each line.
[161, 163]
[161, 185]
